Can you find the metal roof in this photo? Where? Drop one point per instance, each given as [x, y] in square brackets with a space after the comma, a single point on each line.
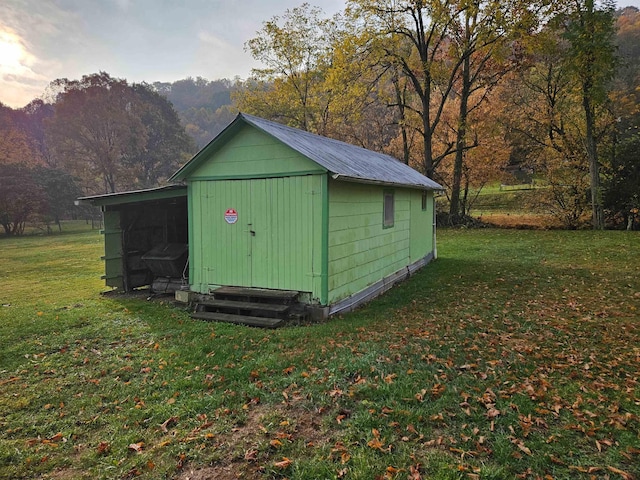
[133, 196]
[343, 160]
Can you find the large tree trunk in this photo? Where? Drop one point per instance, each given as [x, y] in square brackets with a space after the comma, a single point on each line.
[455, 208]
[597, 212]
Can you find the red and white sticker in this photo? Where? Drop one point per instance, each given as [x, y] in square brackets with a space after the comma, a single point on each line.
[231, 216]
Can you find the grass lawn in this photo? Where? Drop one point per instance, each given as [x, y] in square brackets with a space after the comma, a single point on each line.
[515, 355]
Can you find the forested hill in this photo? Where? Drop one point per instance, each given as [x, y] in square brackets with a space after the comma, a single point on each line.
[204, 106]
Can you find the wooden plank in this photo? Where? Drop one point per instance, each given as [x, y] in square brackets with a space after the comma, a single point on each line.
[276, 308]
[238, 319]
[256, 293]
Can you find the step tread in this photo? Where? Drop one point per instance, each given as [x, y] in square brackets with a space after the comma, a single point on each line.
[239, 319]
[277, 308]
[256, 292]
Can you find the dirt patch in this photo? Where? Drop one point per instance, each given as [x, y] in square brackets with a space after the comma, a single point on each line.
[525, 221]
[250, 446]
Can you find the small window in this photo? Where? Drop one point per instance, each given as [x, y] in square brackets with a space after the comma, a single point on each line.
[424, 201]
[389, 210]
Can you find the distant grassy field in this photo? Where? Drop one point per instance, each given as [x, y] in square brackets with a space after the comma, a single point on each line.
[511, 206]
[515, 355]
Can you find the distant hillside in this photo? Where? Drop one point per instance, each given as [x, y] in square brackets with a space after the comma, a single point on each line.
[204, 106]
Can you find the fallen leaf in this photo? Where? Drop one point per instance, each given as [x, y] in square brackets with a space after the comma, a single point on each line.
[375, 443]
[103, 447]
[284, 463]
[136, 447]
[493, 413]
[168, 422]
[622, 473]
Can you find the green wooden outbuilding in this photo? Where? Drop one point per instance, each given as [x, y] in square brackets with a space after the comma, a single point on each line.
[272, 207]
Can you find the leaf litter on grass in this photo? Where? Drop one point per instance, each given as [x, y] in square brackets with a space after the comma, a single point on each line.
[513, 356]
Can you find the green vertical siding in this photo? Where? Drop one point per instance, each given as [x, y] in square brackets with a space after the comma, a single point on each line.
[361, 251]
[284, 250]
[421, 242]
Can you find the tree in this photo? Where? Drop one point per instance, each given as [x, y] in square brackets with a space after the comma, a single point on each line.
[112, 135]
[167, 144]
[92, 130]
[590, 32]
[59, 191]
[622, 193]
[20, 197]
[294, 50]
[413, 36]
[486, 40]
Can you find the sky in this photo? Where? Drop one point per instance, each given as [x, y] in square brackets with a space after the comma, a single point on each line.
[139, 40]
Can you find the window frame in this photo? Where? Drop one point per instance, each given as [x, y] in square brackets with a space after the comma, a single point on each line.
[388, 222]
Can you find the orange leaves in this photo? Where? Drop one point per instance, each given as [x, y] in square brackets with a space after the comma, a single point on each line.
[622, 473]
[53, 441]
[377, 443]
[282, 464]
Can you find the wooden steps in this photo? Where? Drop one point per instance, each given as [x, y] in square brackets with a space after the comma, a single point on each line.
[256, 307]
[245, 306]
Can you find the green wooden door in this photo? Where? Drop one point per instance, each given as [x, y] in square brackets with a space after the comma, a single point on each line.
[260, 233]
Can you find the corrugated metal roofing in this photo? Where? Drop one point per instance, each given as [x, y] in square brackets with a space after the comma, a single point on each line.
[344, 161]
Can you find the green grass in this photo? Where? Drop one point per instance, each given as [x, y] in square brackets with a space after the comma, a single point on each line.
[516, 353]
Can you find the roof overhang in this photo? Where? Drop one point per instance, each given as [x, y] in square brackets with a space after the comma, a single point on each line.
[346, 178]
[134, 196]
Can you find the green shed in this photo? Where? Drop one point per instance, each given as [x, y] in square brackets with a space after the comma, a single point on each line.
[267, 214]
[275, 208]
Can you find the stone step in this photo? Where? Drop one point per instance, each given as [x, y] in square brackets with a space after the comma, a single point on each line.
[238, 319]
